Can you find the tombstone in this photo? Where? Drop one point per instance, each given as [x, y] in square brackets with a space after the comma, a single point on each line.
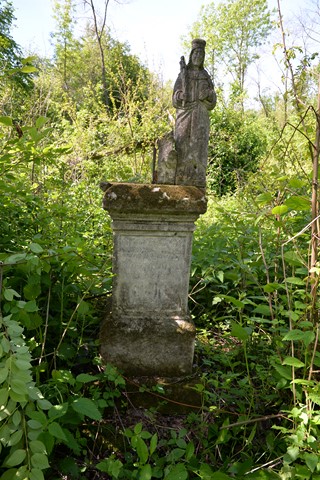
[149, 330]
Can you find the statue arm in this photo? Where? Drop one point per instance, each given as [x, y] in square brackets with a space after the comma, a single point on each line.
[178, 96]
[209, 97]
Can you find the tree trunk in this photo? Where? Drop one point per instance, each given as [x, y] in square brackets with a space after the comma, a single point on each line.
[315, 210]
[99, 36]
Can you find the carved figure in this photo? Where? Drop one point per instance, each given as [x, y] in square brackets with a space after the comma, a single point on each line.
[193, 97]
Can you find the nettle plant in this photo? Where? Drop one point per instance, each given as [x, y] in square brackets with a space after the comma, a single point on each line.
[35, 364]
[23, 453]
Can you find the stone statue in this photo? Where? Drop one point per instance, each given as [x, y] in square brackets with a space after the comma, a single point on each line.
[193, 97]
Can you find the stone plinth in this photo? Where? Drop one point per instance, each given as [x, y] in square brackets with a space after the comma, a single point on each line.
[149, 330]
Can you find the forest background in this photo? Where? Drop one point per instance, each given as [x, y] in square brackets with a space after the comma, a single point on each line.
[94, 112]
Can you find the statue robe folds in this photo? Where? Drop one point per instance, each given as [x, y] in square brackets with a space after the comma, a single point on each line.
[193, 97]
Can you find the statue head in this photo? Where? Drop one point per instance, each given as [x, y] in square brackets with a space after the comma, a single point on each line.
[197, 53]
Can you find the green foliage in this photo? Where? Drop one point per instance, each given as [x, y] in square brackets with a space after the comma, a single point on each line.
[14, 69]
[233, 30]
[22, 451]
[236, 147]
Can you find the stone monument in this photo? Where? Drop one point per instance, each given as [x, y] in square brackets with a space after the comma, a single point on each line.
[149, 331]
[183, 155]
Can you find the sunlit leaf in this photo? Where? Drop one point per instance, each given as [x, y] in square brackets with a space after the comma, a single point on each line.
[280, 210]
[298, 203]
[294, 362]
[86, 407]
[6, 121]
[28, 69]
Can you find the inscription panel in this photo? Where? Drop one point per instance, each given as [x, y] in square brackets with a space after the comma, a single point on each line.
[152, 272]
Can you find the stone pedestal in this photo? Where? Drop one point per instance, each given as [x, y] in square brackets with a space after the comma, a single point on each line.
[149, 331]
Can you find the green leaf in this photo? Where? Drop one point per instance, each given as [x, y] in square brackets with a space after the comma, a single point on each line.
[292, 258]
[5, 433]
[177, 472]
[9, 293]
[15, 438]
[153, 443]
[190, 450]
[110, 466]
[28, 69]
[39, 417]
[294, 362]
[16, 458]
[40, 461]
[311, 460]
[298, 203]
[31, 306]
[237, 303]
[56, 431]
[238, 331]
[279, 210]
[37, 447]
[284, 371]
[22, 364]
[292, 454]
[31, 291]
[57, 411]
[18, 386]
[263, 309]
[86, 407]
[17, 257]
[83, 308]
[176, 454]
[4, 372]
[205, 472]
[142, 450]
[306, 337]
[10, 474]
[35, 248]
[36, 474]
[314, 397]
[219, 476]
[138, 428]
[39, 123]
[4, 394]
[263, 475]
[295, 281]
[29, 59]
[296, 183]
[181, 443]
[44, 404]
[7, 121]
[34, 424]
[86, 378]
[264, 198]
[272, 287]
[145, 472]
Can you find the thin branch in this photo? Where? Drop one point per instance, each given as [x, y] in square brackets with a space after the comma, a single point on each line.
[253, 420]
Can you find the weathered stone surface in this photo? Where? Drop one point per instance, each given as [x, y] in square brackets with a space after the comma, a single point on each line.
[182, 159]
[193, 97]
[149, 346]
[167, 160]
[145, 199]
[149, 330]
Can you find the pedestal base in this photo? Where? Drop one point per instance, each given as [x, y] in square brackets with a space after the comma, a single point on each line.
[149, 346]
[149, 331]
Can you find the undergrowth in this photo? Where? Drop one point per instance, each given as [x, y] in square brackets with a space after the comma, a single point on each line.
[64, 415]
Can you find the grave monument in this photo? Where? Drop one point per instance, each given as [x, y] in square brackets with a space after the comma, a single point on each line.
[149, 331]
